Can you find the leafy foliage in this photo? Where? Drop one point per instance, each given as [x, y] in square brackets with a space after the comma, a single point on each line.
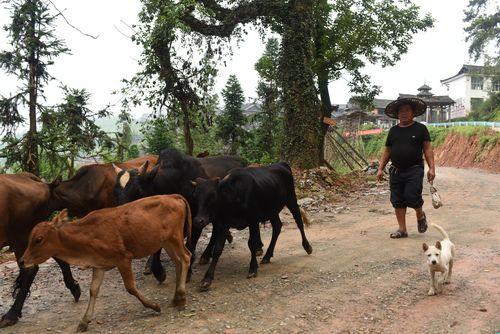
[157, 135]
[483, 28]
[33, 49]
[69, 132]
[263, 142]
[489, 110]
[124, 136]
[350, 34]
[230, 123]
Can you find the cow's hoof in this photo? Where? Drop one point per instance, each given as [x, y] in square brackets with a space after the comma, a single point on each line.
[307, 248]
[205, 285]
[179, 304]
[147, 271]
[259, 252]
[7, 321]
[160, 275]
[229, 237]
[204, 260]
[155, 307]
[76, 292]
[82, 327]
[252, 275]
[265, 260]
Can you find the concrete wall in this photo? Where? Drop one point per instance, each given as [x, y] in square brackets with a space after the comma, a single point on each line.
[460, 90]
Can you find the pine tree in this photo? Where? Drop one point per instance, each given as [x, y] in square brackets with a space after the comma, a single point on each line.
[231, 121]
[33, 49]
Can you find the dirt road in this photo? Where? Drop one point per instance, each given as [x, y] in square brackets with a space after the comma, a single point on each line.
[356, 280]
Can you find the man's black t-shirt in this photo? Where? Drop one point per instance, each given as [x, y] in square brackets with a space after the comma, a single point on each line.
[407, 144]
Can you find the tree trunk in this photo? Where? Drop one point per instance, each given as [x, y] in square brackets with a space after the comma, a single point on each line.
[188, 139]
[326, 106]
[302, 139]
[30, 160]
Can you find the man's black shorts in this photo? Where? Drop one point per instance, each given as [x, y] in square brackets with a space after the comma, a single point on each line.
[406, 187]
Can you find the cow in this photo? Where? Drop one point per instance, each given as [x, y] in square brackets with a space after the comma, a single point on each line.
[243, 198]
[173, 174]
[24, 203]
[113, 237]
[91, 188]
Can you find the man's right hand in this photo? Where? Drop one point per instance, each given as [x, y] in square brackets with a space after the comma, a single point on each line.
[380, 175]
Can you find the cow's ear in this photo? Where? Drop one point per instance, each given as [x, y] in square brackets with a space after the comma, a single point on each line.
[144, 168]
[150, 175]
[61, 218]
[425, 247]
[117, 169]
[215, 179]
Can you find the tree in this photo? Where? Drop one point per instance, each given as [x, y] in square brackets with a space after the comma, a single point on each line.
[267, 136]
[483, 28]
[124, 135]
[69, 132]
[157, 135]
[230, 123]
[178, 81]
[33, 48]
[133, 152]
[351, 33]
[214, 23]
[210, 24]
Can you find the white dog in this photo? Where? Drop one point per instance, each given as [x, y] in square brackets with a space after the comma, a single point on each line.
[439, 259]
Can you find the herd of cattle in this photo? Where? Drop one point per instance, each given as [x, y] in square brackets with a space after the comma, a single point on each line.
[137, 208]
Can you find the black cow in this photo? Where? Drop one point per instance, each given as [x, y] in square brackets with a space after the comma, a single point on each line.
[173, 174]
[245, 197]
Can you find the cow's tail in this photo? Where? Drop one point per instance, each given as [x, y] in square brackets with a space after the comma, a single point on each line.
[305, 217]
[187, 222]
[303, 213]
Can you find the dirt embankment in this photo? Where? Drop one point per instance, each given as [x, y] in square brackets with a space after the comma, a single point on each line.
[459, 150]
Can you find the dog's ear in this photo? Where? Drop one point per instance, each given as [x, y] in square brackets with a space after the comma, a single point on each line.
[438, 245]
[425, 247]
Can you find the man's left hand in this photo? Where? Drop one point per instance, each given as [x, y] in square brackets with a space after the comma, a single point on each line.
[431, 174]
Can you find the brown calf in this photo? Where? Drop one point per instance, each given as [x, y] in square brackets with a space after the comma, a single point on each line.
[112, 237]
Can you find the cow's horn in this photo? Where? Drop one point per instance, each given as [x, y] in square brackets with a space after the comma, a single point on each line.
[117, 169]
[194, 183]
[144, 167]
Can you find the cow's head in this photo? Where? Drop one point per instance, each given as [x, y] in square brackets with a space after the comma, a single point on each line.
[43, 242]
[204, 200]
[131, 183]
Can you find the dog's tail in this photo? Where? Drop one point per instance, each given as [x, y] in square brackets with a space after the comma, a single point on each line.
[305, 217]
[441, 230]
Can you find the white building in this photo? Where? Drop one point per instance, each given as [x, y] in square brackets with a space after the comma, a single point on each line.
[469, 87]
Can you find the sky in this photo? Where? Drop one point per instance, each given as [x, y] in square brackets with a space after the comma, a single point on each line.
[100, 64]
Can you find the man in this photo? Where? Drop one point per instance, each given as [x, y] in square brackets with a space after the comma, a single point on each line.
[404, 147]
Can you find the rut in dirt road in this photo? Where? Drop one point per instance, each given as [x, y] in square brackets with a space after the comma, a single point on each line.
[358, 280]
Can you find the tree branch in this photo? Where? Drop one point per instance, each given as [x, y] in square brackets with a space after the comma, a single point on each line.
[72, 26]
[230, 18]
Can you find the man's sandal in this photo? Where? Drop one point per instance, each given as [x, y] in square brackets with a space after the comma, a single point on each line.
[398, 234]
[422, 224]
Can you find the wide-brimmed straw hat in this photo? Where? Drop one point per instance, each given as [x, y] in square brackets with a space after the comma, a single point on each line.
[418, 105]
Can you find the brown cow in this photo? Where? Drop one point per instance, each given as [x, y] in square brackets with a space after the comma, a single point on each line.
[24, 203]
[91, 188]
[112, 237]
